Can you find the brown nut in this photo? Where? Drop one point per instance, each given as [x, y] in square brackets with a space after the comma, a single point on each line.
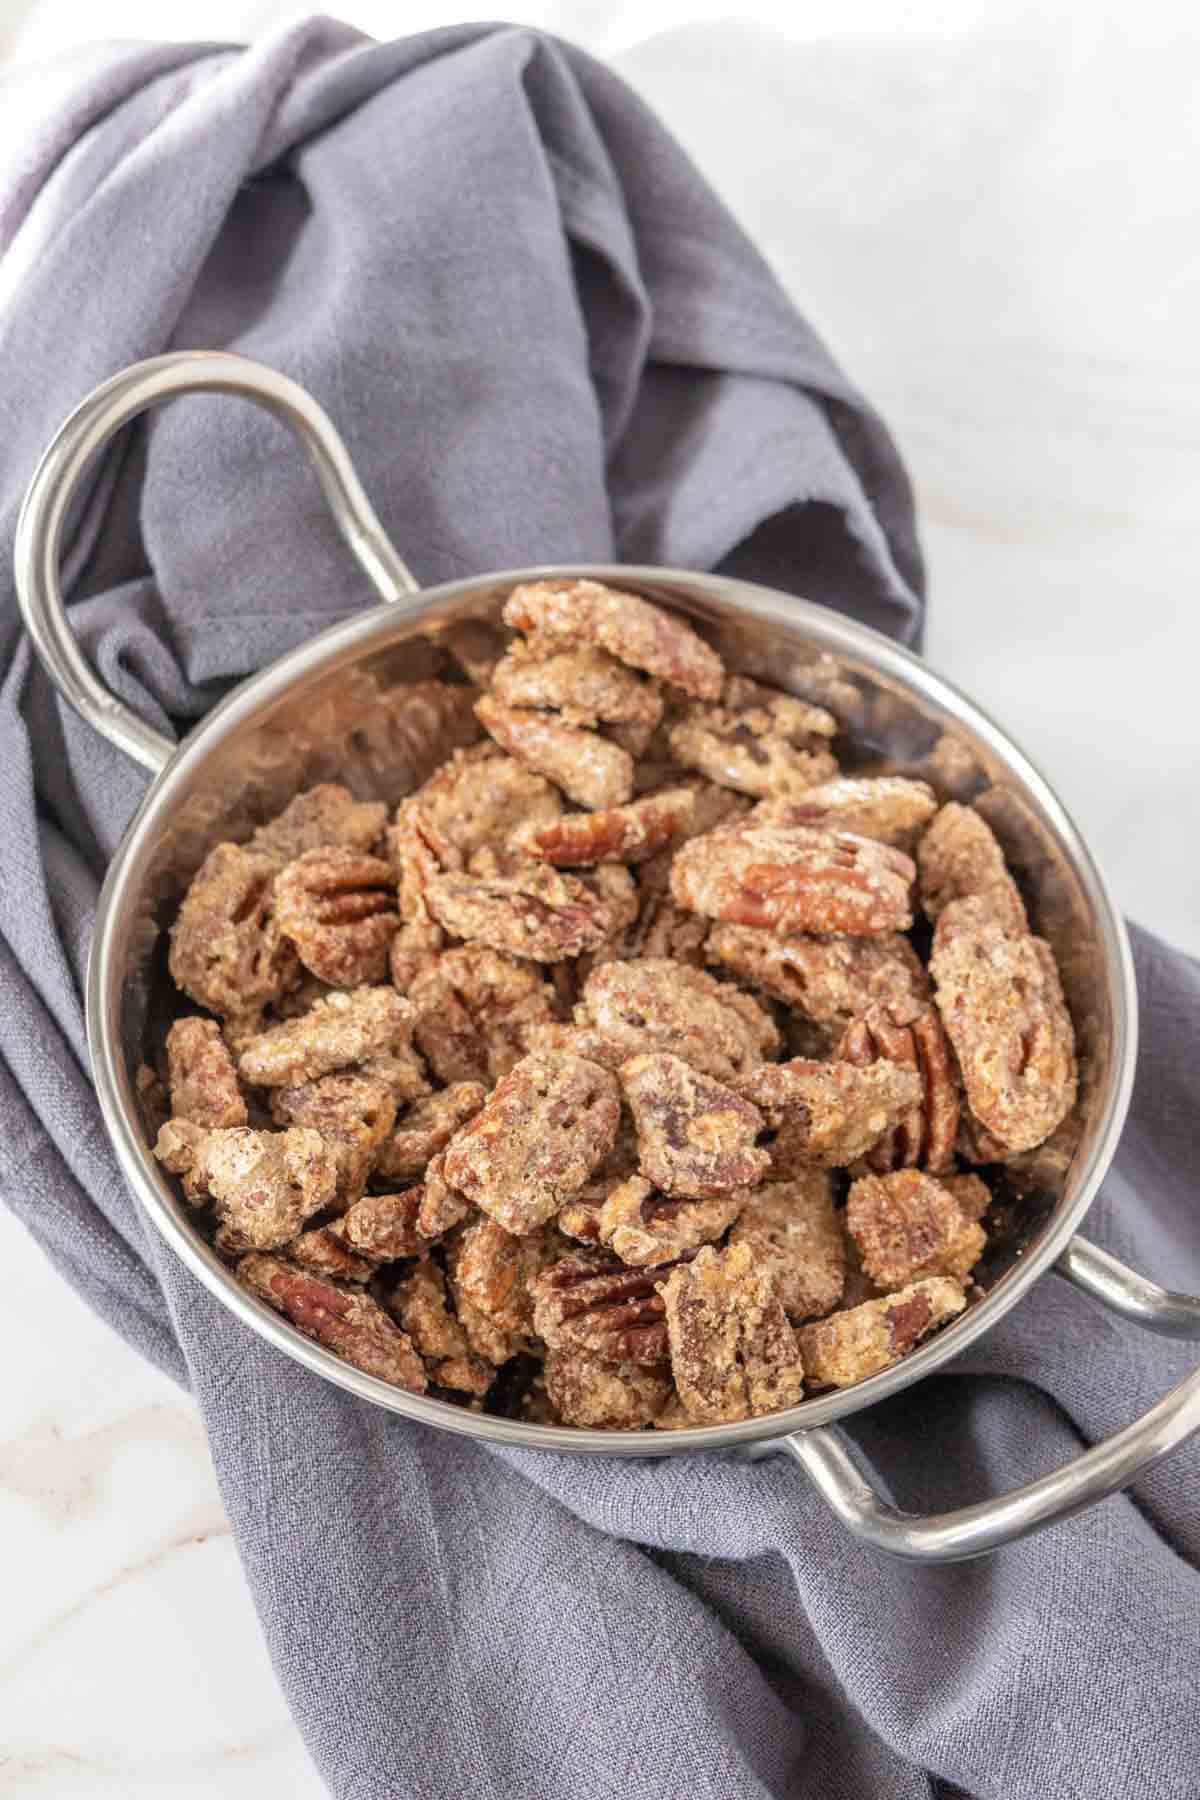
[335, 1033]
[338, 907]
[586, 686]
[831, 980]
[323, 817]
[829, 1113]
[474, 1006]
[227, 951]
[626, 834]
[848, 1346]
[543, 1130]
[537, 913]
[1002, 1004]
[586, 766]
[888, 807]
[344, 1320]
[757, 740]
[426, 1128]
[600, 1306]
[202, 1079]
[567, 613]
[263, 1184]
[907, 1225]
[644, 1227]
[733, 1353]
[603, 1396]
[353, 1114]
[656, 1005]
[794, 880]
[796, 1234]
[924, 1136]
[958, 857]
[695, 1135]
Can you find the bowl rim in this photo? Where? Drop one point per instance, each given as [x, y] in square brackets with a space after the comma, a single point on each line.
[825, 630]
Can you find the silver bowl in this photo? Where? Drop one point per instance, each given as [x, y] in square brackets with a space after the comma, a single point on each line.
[330, 711]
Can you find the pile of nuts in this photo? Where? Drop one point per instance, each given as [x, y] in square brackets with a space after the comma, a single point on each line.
[603, 1084]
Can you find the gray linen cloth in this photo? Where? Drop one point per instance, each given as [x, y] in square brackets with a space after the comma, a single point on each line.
[543, 339]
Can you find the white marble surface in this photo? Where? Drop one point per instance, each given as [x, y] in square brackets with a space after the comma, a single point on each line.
[990, 212]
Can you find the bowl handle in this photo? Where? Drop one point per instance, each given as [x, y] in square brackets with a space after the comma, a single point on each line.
[1103, 1470]
[106, 409]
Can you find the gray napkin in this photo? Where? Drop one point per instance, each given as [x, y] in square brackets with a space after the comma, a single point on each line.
[542, 339]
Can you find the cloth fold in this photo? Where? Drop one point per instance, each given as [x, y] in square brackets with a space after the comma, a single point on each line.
[543, 339]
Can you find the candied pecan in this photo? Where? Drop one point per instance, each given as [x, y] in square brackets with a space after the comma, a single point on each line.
[644, 1227]
[478, 799]
[695, 1135]
[542, 1131]
[353, 1114]
[538, 912]
[733, 1353]
[427, 1127]
[653, 1004]
[586, 766]
[627, 834]
[959, 856]
[343, 1029]
[325, 1254]
[602, 1396]
[580, 1217]
[587, 686]
[227, 951]
[711, 806]
[926, 1134]
[383, 1227]
[592, 1304]
[344, 1320]
[830, 1113]
[643, 636]
[494, 1270]
[907, 1225]
[888, 807]
[418, 853]
[400, 1070]
[441, 1208]
[972, 1192]
[578, 1040]
[263, 1184]
[830, 980]
[421, 1304]
[203, 1081]
[757, 740]
[1002, 1004]
[338, 907]
[483, 1334]
[848, 1346]
[321, 818]
[795, 879]
[795, 1234]
[473, 1008]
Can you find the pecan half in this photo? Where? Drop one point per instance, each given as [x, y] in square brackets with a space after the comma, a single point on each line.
[335, 1033]
[474, 1006]
[338, 907]
[908, 1225]
[644, 1227]
[586, 686]
[568, 613]
[494, 1270]
[601, 1307]
[627, 834]
[263, 1184]
[585, 1390]
[353, 1114]
[830, 980]
[422, 1305]
[344, 1320]
[586, 766]
[829, 1113]
[959, 856]
[543, 1130]
[757, 740]
[695, 1135]
[200, 1073]
[795, 1233]
[733, 1353]
[654, 1004]
[926, 1134]
[1002, 1004]
[227, 951]
[795, 879]
[848, 1346]
[478, 799]
[538, 912]
[324, 1254]
[887, 807]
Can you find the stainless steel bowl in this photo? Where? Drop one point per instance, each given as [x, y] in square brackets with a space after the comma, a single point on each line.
[328, 711]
